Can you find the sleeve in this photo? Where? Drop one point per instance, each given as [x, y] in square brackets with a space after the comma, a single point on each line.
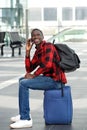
[30, 65]
[27, 64]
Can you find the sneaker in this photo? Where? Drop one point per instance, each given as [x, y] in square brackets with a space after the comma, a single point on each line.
[21, 124]
[15, 118]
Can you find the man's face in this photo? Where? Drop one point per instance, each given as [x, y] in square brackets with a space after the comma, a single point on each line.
[37, 37]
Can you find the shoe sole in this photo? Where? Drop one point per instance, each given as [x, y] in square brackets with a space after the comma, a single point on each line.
[20, 127]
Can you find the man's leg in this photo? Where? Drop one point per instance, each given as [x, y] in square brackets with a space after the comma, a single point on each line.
[37, 83]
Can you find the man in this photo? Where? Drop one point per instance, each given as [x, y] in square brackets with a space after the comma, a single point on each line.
[47, 75]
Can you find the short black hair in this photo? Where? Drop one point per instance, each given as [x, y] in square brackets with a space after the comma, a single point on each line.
[36, 29]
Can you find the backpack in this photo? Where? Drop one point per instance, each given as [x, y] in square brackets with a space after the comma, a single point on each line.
[69, 60]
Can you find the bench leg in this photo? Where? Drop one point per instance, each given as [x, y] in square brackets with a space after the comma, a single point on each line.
[2, 50]
[12, 51]
[19, 51]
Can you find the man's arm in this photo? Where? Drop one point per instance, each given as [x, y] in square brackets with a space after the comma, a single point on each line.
[29, 45]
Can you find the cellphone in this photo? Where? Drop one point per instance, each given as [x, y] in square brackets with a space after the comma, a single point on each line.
[31, 40]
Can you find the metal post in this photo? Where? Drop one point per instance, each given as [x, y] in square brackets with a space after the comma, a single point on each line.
[27, 30]
[12, 17]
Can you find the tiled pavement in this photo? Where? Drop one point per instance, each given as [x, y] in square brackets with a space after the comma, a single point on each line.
[13, 68]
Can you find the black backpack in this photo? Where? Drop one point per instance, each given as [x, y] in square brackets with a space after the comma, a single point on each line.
[69, 59]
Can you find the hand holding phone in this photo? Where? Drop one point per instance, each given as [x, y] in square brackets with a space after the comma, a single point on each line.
[29, 44]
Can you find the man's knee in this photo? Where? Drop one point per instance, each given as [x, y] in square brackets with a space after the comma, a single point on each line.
[21, 78]
[23, 83]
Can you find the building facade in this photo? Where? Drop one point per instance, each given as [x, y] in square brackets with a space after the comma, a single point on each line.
[51, 17]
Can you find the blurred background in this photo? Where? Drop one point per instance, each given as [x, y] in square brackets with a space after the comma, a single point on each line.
[50, 16]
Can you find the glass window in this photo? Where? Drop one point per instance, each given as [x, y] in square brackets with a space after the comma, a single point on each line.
[35, 14]
[81, 13]
[11, 15]
[0, 12]
[7, 13]
[67, 13]
[50, 14]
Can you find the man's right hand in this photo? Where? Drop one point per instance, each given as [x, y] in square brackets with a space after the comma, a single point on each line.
[29, 45]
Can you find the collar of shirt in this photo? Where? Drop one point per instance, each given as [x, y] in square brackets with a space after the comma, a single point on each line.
[41, 45]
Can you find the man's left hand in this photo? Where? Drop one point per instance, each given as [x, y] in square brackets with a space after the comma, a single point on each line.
[29, 76]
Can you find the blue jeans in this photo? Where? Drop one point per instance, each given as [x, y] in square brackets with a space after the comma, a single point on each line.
[37, 83]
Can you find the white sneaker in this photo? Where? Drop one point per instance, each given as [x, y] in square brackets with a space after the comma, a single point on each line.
[15, 118]
[22, 124]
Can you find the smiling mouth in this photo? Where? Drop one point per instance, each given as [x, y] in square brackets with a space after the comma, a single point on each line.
[36, 41]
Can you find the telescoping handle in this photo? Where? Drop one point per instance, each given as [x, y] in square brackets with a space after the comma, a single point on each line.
[62, 90]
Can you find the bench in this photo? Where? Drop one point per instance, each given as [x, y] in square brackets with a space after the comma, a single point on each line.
[2, 43]
[15, 42]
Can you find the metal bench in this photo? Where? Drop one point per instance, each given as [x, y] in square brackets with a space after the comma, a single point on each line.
[15, 42]
[2, 43]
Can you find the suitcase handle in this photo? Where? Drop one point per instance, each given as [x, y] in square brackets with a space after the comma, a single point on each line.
[62, 90]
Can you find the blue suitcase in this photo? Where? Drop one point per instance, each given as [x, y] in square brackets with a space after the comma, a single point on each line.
[58, 106]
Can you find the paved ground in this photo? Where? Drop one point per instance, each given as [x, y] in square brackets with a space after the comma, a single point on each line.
[13, 68]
